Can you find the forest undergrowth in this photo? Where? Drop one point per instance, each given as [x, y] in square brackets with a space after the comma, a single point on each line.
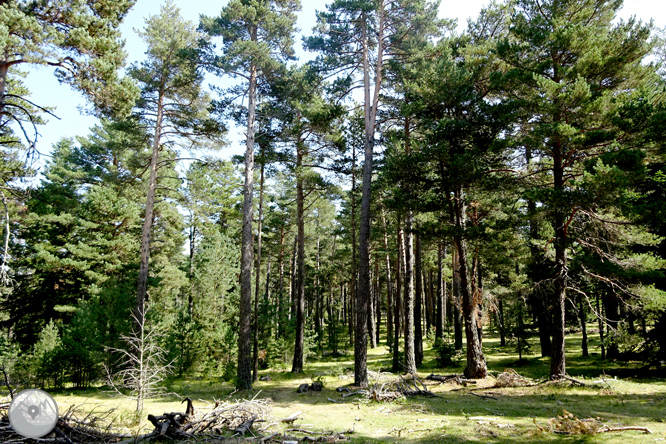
[615, 397]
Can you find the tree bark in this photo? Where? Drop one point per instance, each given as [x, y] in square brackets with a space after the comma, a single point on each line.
[244, 371]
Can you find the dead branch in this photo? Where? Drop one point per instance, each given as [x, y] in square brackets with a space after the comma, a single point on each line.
[607, 429]
[483, 396]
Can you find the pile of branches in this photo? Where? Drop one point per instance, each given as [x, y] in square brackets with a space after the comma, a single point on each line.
[410, 387]
[224, 419]
[73, 426]
[568, 424]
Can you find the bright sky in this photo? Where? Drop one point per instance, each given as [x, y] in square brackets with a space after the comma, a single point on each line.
[47, 92]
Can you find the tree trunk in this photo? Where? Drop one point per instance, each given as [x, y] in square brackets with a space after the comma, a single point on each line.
[457, 302]
[476, 362]
[397, 303]
[583, 325]
[410, 355]
[378, 303]
[297, 366]
[142, 285]
[294, 277]
[557, 363]
[244, 371]
[319, 303]
[280, 299]
[255, 340]
[601, 329]
[500, 323]
[538, 303]
[370, 113]
[439, 313]
[418, 292]
[372, 313]
[612, 315]
[389, 284]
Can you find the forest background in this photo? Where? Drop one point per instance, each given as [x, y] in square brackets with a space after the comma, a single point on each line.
[517, 186]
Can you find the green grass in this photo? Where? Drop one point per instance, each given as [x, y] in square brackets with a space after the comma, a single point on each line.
[454, 417]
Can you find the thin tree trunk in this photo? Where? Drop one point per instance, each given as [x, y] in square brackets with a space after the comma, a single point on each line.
[601, 329]
[244, 371]
[538, 303]
[456, 296]
[280, 299]
[389, 284]
[439, 312]
[583, 325]
[372, 313]
[418, 291]
[378, 302]
[557, 363]
[397, 304]
[410, 355]
[297, 366]
[294, 277]
[255, 341]
[500, 323]
[142, 285]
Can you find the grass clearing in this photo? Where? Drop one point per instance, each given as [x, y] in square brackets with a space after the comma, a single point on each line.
[519, 415]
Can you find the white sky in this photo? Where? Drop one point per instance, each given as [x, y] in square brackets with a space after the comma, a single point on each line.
[47, 92]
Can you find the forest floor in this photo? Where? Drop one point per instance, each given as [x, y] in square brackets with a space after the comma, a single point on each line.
[629, 397]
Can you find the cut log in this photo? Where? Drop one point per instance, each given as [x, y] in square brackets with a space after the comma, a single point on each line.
[291, 418]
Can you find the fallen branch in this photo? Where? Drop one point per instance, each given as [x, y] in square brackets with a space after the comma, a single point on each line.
[607, 429]
[483, 396]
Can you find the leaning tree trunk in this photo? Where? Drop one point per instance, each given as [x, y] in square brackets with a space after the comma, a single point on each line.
[244, 371]
[142, 285]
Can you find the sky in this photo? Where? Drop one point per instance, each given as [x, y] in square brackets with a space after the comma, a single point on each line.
[46, 91]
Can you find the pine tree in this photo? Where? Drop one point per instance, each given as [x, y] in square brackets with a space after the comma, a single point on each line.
[172, 106]
[572, 66]
[256, 34]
